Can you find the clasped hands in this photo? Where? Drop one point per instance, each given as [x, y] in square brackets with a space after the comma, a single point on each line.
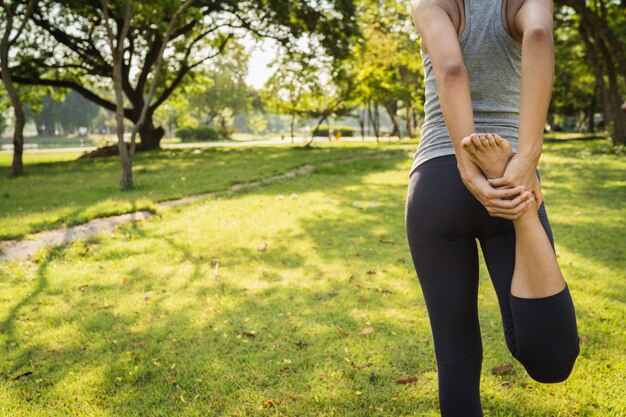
[510, 195]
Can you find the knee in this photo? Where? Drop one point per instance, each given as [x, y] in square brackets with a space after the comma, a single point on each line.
[551, 368]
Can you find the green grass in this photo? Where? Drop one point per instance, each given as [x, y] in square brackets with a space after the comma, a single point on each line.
[137, 323]
[58, 190]
[572, 135]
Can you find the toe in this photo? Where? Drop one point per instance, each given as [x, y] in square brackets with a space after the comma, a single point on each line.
[499, 139]
[466, 142]
[484, 138]
[492, 140]
[476, 141]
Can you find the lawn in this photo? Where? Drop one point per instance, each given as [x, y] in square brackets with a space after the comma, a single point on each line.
[54, 194]
[254, 303]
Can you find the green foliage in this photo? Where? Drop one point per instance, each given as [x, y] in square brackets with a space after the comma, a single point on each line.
[203, 33]
[258, 124]
[198, 134]
[347, 131]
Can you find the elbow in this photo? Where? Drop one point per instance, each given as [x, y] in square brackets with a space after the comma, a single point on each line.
[453, 70]
[539, 34]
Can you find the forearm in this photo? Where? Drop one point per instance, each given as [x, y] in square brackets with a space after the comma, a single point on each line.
[456, 106]
[536, 89]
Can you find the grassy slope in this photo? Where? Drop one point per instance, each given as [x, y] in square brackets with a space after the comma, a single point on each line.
[54, 193]
[137, 323]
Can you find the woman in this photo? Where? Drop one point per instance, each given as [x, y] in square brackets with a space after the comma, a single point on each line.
[488, 68]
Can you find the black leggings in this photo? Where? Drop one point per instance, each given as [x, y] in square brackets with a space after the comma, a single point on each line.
[443, 221]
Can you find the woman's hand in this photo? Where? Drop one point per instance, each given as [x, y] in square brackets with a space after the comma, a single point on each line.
[506, 202]
[520, 171]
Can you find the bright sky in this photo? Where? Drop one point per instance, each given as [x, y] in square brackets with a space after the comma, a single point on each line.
[261, 56]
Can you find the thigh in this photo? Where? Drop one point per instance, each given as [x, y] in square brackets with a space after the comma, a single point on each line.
[440, 225]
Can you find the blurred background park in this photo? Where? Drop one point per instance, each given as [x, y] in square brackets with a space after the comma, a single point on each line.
[265, 146]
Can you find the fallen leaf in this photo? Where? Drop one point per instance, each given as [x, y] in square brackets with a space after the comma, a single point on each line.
[506, 384]
[387, 241]
[280, 197]
[341, 330]
[139, 343]
[371, 272]
[408, 380]
[249, 334]
[270, 403]
[502, 369]
[293, 196]
[262, 247]
[366, 331]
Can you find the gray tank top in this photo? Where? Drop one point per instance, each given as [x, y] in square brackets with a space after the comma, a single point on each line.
[493, 61]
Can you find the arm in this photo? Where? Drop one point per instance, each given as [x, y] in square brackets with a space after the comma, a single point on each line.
[439, 35]
[534, 21]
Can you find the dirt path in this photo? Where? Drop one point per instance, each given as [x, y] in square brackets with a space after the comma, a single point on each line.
[24, 249]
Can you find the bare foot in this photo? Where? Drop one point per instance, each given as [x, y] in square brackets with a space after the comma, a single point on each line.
[490, 151]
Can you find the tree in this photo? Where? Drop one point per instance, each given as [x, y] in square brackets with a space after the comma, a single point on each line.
[72, 58]
[16, 15]
[116, 45]
[574, 89]
[223, 87]
[295, 76]
[601, 28]
[387, 70]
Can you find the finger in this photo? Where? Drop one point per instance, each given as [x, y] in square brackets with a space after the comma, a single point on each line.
[501, 193]
[498, 182]
[517, 200]
[495, 209]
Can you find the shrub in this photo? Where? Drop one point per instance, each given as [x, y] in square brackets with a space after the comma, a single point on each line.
[197, 134]
[347, 131]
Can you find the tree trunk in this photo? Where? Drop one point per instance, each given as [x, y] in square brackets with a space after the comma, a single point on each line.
[599, 54]
[592, 110]
[126, 179]
[409, 126]
[377, 121]
[150, 136]
[293, 121]
[17, 167]
[374, 118]
[614, 110]
[362, 123]
[392, 111]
